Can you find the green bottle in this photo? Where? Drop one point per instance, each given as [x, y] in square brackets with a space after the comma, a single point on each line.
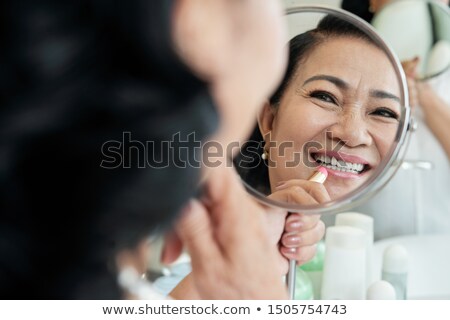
[303, 286]
[314, 268]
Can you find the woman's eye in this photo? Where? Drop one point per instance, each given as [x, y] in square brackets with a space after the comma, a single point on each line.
[324, 96]
[386, 113]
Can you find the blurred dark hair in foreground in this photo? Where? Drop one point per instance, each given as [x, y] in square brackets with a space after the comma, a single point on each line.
[74, 75]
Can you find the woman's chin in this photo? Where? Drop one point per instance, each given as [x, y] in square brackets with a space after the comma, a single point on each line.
[339, 189]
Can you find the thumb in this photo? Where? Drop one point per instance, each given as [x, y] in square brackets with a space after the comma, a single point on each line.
[410, 67]
[195, 230]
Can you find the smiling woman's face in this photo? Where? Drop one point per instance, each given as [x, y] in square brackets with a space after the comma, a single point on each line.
[340, 110]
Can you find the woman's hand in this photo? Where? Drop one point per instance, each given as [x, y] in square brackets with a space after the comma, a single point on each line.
[435, 110]
[301, 232]
[410, 69]
[227, 237]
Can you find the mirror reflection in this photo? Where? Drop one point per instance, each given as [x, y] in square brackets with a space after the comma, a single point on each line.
[338, 107]
[419, 32]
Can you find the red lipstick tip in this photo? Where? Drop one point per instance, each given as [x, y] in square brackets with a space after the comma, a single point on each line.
[323, 170]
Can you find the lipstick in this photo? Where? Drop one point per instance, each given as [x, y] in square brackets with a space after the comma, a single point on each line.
[320, 175]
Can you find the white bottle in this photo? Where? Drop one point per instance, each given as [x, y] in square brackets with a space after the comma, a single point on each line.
[381, 290]
[395, 269]
[365, 223]
[344, 276]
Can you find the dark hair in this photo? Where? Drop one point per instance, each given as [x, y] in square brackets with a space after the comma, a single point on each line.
[361, 8]
[248, 163]
[74, 76]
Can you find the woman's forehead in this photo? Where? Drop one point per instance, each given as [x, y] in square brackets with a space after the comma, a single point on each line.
[355, 61]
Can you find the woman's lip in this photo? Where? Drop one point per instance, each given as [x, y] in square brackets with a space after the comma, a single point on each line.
[343, 156]
[344, 174]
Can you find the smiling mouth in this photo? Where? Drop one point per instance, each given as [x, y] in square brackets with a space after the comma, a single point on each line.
[339, 164]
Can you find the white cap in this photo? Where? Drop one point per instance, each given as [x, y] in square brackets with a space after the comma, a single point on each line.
[345, 237]
[357, 220]
[381, 290]
[395, 259]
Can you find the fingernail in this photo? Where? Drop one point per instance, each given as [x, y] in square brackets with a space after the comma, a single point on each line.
[292, 240]
[296, 224]
[289, 250]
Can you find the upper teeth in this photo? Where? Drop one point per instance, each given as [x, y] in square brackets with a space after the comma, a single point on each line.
[333, 163]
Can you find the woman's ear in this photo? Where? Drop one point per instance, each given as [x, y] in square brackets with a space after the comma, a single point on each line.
[265, 119]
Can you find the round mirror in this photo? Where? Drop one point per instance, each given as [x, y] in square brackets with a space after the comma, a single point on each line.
[417, 29]
[341, 109]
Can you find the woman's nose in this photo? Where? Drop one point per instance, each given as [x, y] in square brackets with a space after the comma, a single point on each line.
[350, 129]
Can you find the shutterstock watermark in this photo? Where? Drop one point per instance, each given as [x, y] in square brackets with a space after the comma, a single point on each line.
[185, 150]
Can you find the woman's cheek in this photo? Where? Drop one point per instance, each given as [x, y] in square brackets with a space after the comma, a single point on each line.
[384, 139]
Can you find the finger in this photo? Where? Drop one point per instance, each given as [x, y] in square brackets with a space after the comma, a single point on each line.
[316, 190]
[293, 194]
[172, 247]
[195, 230]
[297, 222]
[225, 193]
[234, 214]
[305, 238]
[301, 255]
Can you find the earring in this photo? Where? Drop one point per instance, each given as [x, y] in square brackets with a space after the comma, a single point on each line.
[265, 155]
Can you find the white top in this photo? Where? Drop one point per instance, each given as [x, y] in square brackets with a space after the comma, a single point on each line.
[381, 290]
[345, 237]
[357, 220]
[395, 259]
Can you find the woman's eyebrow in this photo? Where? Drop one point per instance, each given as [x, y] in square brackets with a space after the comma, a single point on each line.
[380, 94]
[336, 81]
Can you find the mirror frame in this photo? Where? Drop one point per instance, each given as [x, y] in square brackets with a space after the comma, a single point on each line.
[388, 166]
